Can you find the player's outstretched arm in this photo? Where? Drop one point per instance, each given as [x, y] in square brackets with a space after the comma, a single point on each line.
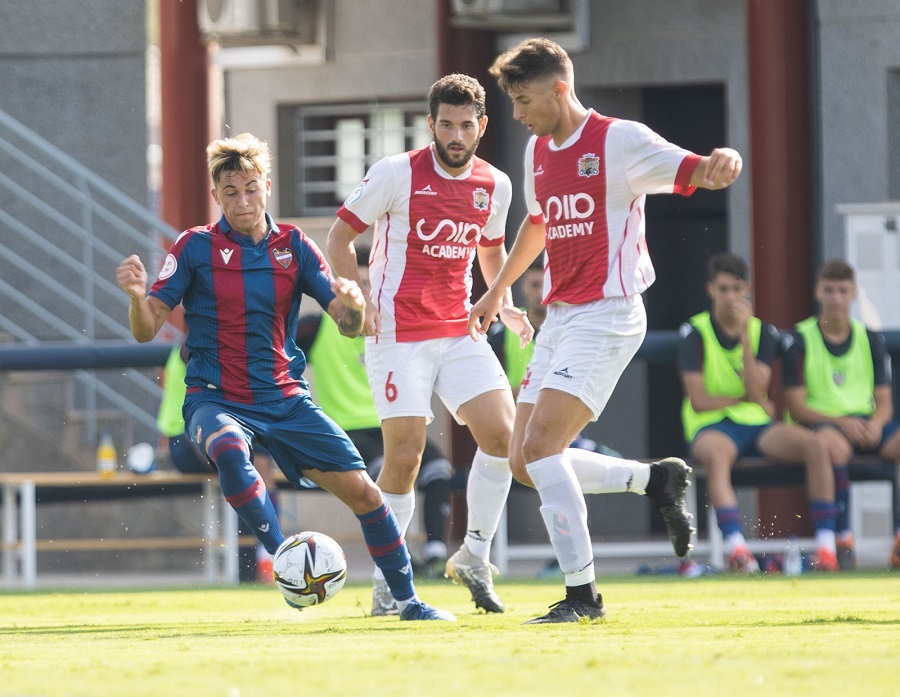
[145, 314]
[718, 170]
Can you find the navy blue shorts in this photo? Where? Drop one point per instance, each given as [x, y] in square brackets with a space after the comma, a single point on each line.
[744, 437]
[295, 431]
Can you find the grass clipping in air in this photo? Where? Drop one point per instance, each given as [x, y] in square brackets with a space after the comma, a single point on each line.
[816, 634]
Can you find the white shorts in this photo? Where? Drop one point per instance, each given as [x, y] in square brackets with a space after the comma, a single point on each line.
[404, 375]
[584, 349]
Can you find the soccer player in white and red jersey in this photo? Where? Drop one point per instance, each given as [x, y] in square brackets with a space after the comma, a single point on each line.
[433, 210]
[586, 180]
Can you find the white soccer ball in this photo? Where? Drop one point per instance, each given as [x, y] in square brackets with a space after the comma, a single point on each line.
[309, 569]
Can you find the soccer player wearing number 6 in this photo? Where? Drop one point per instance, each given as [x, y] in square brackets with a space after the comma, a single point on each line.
[586, 179]
[433, 210]
[241, 280]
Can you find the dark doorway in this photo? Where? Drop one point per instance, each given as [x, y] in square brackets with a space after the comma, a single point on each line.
[681, 233]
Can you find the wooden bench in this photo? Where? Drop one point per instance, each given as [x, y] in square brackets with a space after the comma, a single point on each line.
[22, 492]
[760, 472]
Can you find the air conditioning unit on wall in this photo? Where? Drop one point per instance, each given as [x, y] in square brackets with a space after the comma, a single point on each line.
[261, 22]
[514, 15]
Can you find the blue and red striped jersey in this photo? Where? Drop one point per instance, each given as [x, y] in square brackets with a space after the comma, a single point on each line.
[241, 306]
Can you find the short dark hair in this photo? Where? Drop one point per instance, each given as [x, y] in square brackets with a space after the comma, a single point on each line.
[531, 60]
[458, 90]
[726, 262]
[837, 270]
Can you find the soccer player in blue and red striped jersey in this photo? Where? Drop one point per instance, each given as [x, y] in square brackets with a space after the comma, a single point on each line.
[240, 281]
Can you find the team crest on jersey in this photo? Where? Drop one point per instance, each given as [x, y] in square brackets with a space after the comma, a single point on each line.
[283, 256]
[481, 199]
[839, 378]
[589, 165]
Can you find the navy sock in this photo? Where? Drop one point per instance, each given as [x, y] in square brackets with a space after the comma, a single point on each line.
[388, 550]
[245, 490]
[842, 497]
[823, 514]
[729, 520]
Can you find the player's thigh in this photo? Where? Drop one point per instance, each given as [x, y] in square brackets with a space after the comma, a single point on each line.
[402, 377]
[840, 450]
[490, 417]
[467, 372]
[591, 347]
[789, 443]
[354, 488]
[557, 417]
[715, 451]
[890, 448]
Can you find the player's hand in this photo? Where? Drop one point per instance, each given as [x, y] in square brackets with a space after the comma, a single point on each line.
[873, 433]
[516, 320]
[483, 314]
[743, 312]
[132, 277]
[723, 167]
[349, 293]
[372, 325]
[854, 428]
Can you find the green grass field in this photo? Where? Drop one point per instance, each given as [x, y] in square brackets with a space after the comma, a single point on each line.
[774, 635]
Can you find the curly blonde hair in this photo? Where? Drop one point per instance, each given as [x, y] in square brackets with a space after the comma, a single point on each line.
[243, 153]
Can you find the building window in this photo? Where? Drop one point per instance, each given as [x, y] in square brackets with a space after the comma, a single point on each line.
[334, 146]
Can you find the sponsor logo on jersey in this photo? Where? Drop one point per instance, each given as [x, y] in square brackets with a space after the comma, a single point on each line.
[568, 216]
[357, 192]
[226, 255]
[481, 199]
[563, 373]
[839, 378]
[458, 238]
[589, 165]
[539, 171]
[170, 265]
[427, 191]
[283, 256]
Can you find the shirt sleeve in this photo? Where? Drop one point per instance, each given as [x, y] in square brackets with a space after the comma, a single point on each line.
[769, 341]
[531, 202]
[495, 228]
[653, 165]
[176, 273]
[881, 359]
[794, 358]
[315, 273]
[690, 349]
[373, 197]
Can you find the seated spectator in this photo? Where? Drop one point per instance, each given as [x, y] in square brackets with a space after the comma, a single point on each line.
[725, 358]
[837, 377]
[342, 390]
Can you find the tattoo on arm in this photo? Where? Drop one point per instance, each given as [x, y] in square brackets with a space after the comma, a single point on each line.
[350, 322]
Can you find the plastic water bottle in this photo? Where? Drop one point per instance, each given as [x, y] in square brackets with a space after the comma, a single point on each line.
[107, 459]
[793, 560]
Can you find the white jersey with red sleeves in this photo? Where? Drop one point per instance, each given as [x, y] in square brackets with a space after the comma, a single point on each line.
[427, 227]
[590, 193]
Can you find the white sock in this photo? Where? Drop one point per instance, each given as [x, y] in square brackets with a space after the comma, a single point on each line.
[826, 538]
[404, 506]
[565, 515]
[486, 492]
[604, 474]
[735, 540]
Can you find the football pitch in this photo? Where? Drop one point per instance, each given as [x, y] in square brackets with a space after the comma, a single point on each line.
[813, 634]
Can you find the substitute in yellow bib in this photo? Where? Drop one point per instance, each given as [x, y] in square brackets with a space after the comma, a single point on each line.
[837, 377]
[725, 358]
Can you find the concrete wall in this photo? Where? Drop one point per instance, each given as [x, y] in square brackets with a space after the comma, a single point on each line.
[859, 50]
[75, 73]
